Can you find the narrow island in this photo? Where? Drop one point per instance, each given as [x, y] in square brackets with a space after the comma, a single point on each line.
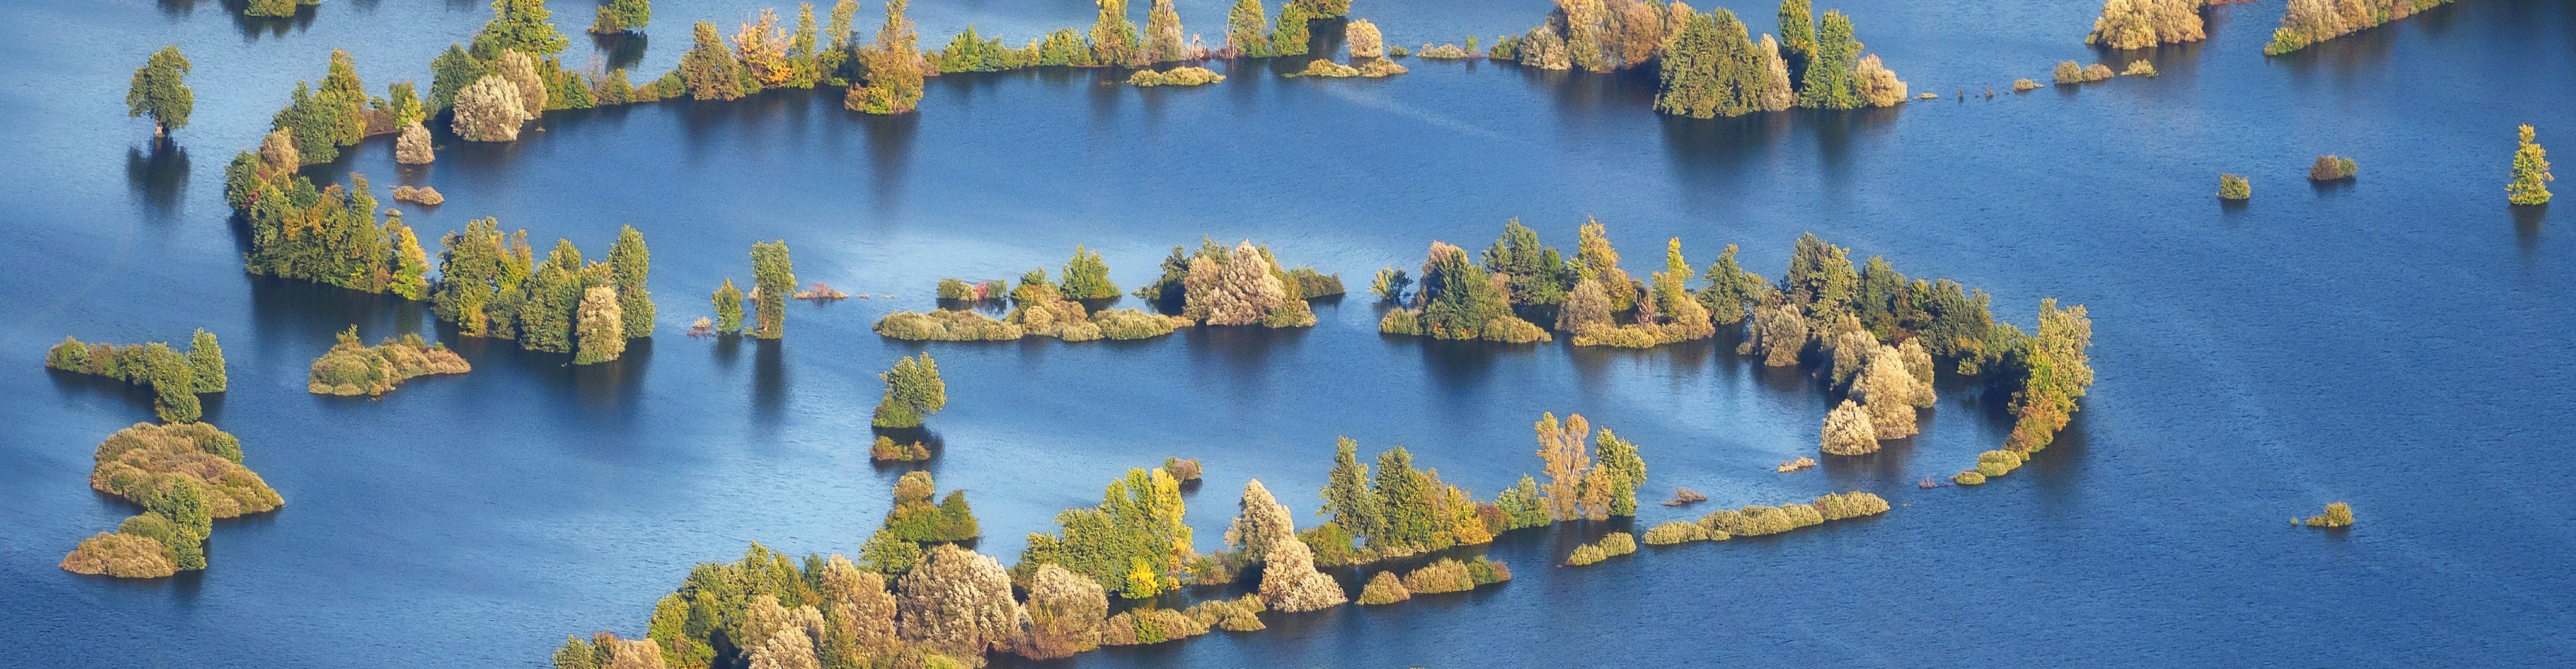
[176, 378]
[1213, 286]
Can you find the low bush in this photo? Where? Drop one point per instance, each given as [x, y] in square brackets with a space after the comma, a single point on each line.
[120, 555]
[1685, 497]
[2232, 187]
[945, 325]
[1322, 67]
[1675, 532]
[1233, 615]
[1380, 67]
[2139, 68]
[1384, 588]
[1969, 478]
[2337, 514]
[1181, 470]
[1178, 76]
[886, 450]
[2332, 168]
[1586, 555]
[1617, 543]
[1446, 575]
[1850, 505]
[1132, 324]
[353, 368]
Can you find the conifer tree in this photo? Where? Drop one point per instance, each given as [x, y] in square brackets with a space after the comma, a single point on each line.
[1290, 37]
[773, 280]
[160, 89]
[1113, 36]
[728, 302]
[521, 25]
[1247, 30]
[1086, 277]
[913, 392]
[1797, 37]
[206, 362]
[1348, 499]
[709, 69]
[893, 68]
[410, 269]
[174, 384]
[2531, 175]
[630, 260]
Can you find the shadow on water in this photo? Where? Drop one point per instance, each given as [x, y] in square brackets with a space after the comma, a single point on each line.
[2332, 187]
[614, 384]
[2526, 225]
[1249, 350]
[768, 384]
[160, 177]
[623, 50]
[177, 8]
[1714, 151]
[890, 140]
[276, 27]
[296, 311]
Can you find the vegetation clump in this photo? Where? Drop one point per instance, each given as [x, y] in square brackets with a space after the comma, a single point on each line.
[423, 196]
[353, 368]
[2531, 177]
[916, 520]
[1676, 532]
[176, 378]
[913, 392]
[2332, 168]
[1685, 497]
[1970, 477]
[185, 476]
[1612, 545]
[886, 450]
[1134, 543]
[492, 286]
[2232, 187]
[2140, 24]
[2139, 68]
[1384, 588]
[2308, 22]
[2337, 514]
[1325, 67]
[2069, 73]
[160, 90]
[622, 16]
[2024, 85]
[1452, 575]
[1852, 504]
[1178, 76]
[1802, 462]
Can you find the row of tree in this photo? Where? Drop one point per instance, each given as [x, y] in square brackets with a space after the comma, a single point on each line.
[490, 285]
[176, 377]
[773, 275]
[2307, 22]
[1710, 66]
[2139, 24]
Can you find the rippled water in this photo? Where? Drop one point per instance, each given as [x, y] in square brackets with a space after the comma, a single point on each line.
[2398, 342]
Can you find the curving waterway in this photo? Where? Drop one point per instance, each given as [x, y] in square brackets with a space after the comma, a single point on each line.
[2400, 342]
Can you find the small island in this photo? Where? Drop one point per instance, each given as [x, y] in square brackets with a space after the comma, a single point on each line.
[185, 476]
[354, 368]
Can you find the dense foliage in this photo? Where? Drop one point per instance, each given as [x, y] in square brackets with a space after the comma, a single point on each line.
[2531, 175]
[1134, 543]
[160, 89]
[353, 368]
[913, 391]
[773, 276]
[184, 476]
[175, 378]
[493, 286]
[2307, 22]
[2140, 24]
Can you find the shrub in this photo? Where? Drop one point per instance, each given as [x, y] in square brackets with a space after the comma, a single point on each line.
[1798, 464]
[1178, 76]
[1321, 67]
[2139, 68]
[1380, 67]
[1364, 39]
[1290, 583]
[1232, 615]
[1850, 505]
[1384, 588]
[490, 110]
[1618, 543]
[2332, 167]
[2022, 85]
[2232, 187]
[885, 450]
[1488, 572]
[946, 325]
[352, 368]
[1444, 52]
[1970, 477]
[1586, 555]
[1675, 532]
[412, 147]
[121, 556]
[1445, 575]
[2337, 514]
[1133, 324]
[1399, 321]
[1878, 87]
[2069, 73]
[1684, 497]
[2531, 177]
[2097, 72]
[1848, 431]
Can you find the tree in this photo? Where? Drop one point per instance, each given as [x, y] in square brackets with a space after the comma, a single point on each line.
[1290, 37]
[329, 117]
[913, 392]
[1876, 85]
[708, 69]
[602, 326]
[728, 301]
[2531, 175]
[1163, 34]
[160, 89]
[1134, 543]
[1348, 499]
[1537, 273]
[1290, 584]
[893, 68]
[1086, 277]
[622, 16]
[174, 385]
[521, 71]
[1567, 462]
[2140, 24]
[1459, 300]
[490, 111]
[1885, 388]
[1820, 274]
[1113, 36]
[1363, 39]
[1626, 470]
[1241, 289]
[1586, 308]
[520, 25]
[1830, 77]
[1594, 259]
[773, 280]
[1848, 431]
[1263, 525]
[206, 362]
[629, 260]
[1065, 612]
[957, 603]
[1797, 36]
[412, 146]
[1247, 30]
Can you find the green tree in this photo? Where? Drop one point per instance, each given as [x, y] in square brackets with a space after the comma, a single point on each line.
[174, 385]
[1626, 469]
[1348, 499]
[1086, 277]
[1163, 34]
[1290, 38]
[630, 260]
[622, 16]
[913, 392]
[1113, 36]
[602, 327]
[1459, 301]
[520, 25]
[1829, 81]
[160, 89]
[1820, 274]
[1247, 29]
[449, 74]
[549, 300]
[1134, 543]
[728, 301]
[324, 120]
[773, 280]
[708, 69]
[2531, 175]
[894, 76]
[1537, 273]
[1797, 36]
[206, 361]
[1523, 505]
[1731, 292]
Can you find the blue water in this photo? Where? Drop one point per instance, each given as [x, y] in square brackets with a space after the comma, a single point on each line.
[2397, 342]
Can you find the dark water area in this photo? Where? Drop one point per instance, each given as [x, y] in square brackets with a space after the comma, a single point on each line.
[2398, 342]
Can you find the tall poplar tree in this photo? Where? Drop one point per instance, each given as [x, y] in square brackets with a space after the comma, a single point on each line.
[773, 280]
[1247, 29]
[1829, 82]
[1797, 36]
[2531, 175]
[630, 260]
